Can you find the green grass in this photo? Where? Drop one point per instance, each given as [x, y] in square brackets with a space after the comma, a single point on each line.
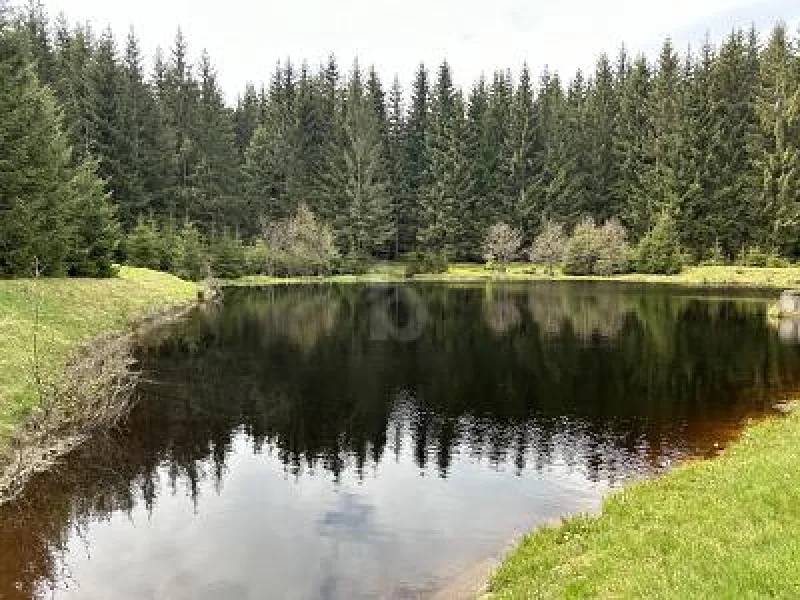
[723, 528]
[718, 276]
[711, 276]
[72, 312]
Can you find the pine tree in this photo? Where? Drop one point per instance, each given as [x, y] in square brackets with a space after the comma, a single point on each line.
[178, 96]
[396, 156]
[246, 118]
[661, 177]
[36, 24]
[416, 163]
[779, 152]
[695, 217]
[477, 213]
[73, 88]
[266, 175]
[603, 107]
[633, 133]
[105, 114]
[215, 179]
[95, 236]
[501, 201]
[526, 153]
[145, 165]
[365, 224]
[734, 85]
[49, 210]
[442, 199]
[548, 177]
[567, 163]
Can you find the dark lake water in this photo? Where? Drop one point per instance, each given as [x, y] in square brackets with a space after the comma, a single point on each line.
[352, 442]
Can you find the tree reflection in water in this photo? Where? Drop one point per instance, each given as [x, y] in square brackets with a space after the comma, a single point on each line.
[609, 382]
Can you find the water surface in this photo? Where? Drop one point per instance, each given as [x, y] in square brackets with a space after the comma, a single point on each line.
[345, 441]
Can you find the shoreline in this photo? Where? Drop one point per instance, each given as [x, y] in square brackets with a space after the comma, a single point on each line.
[648, 526]
[82, 380]
[720, 277]
[476, 580]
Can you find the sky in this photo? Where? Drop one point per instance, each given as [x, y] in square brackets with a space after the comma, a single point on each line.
[246, 38]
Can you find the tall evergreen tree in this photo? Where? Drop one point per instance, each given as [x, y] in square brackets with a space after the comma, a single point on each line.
[365, 223]
[416, 164]
[45, 202]
[216, 172]
[778, 159]
[442, 199]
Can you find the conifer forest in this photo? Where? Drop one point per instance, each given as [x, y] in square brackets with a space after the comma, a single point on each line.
[105, 157]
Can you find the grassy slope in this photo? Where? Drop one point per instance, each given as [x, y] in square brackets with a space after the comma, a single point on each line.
[700, 276]
[72, 311]
[724, 528]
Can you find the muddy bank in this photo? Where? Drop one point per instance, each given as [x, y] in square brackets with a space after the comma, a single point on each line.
[94, 392]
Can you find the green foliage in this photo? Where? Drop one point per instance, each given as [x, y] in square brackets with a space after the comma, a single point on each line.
[144, 247]
[352, 264]
[52, 213]
[192, 260]
[716, 256]
[420, 263]
[597, 250]
[96, 234]
[755, 256]
[713, 137]
[659, 251]
[228, 256]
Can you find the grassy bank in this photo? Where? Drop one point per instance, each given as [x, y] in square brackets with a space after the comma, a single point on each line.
[711, 276]
[724, 528]
[72, 312]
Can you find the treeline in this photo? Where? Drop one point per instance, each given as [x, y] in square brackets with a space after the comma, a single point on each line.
[708, 137]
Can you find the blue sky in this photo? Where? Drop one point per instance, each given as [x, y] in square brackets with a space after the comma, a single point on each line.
[246, 37]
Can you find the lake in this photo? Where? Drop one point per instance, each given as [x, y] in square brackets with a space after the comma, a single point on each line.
[349, 441]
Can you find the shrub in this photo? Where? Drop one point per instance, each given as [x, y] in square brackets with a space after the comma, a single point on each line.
[144, 245]
[752, 256]
[502, 243]
[659, 251]
[300, 245]
[549, 246]
[716, 257]
[352, 264]
[775, 260]
[192, 261]
[593, 250]
[755, 256]
[228, 260]
[418, 263]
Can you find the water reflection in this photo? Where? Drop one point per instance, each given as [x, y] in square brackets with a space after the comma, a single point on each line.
[334, 441]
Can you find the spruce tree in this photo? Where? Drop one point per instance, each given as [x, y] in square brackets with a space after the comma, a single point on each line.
[365, 225]
[95, 235]
[246, 118]
[416, 163]
[396, 156]
[633, 133]
[105, 114]
[778, 159]
[50, 211]
[443, 198]
[215, 180]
